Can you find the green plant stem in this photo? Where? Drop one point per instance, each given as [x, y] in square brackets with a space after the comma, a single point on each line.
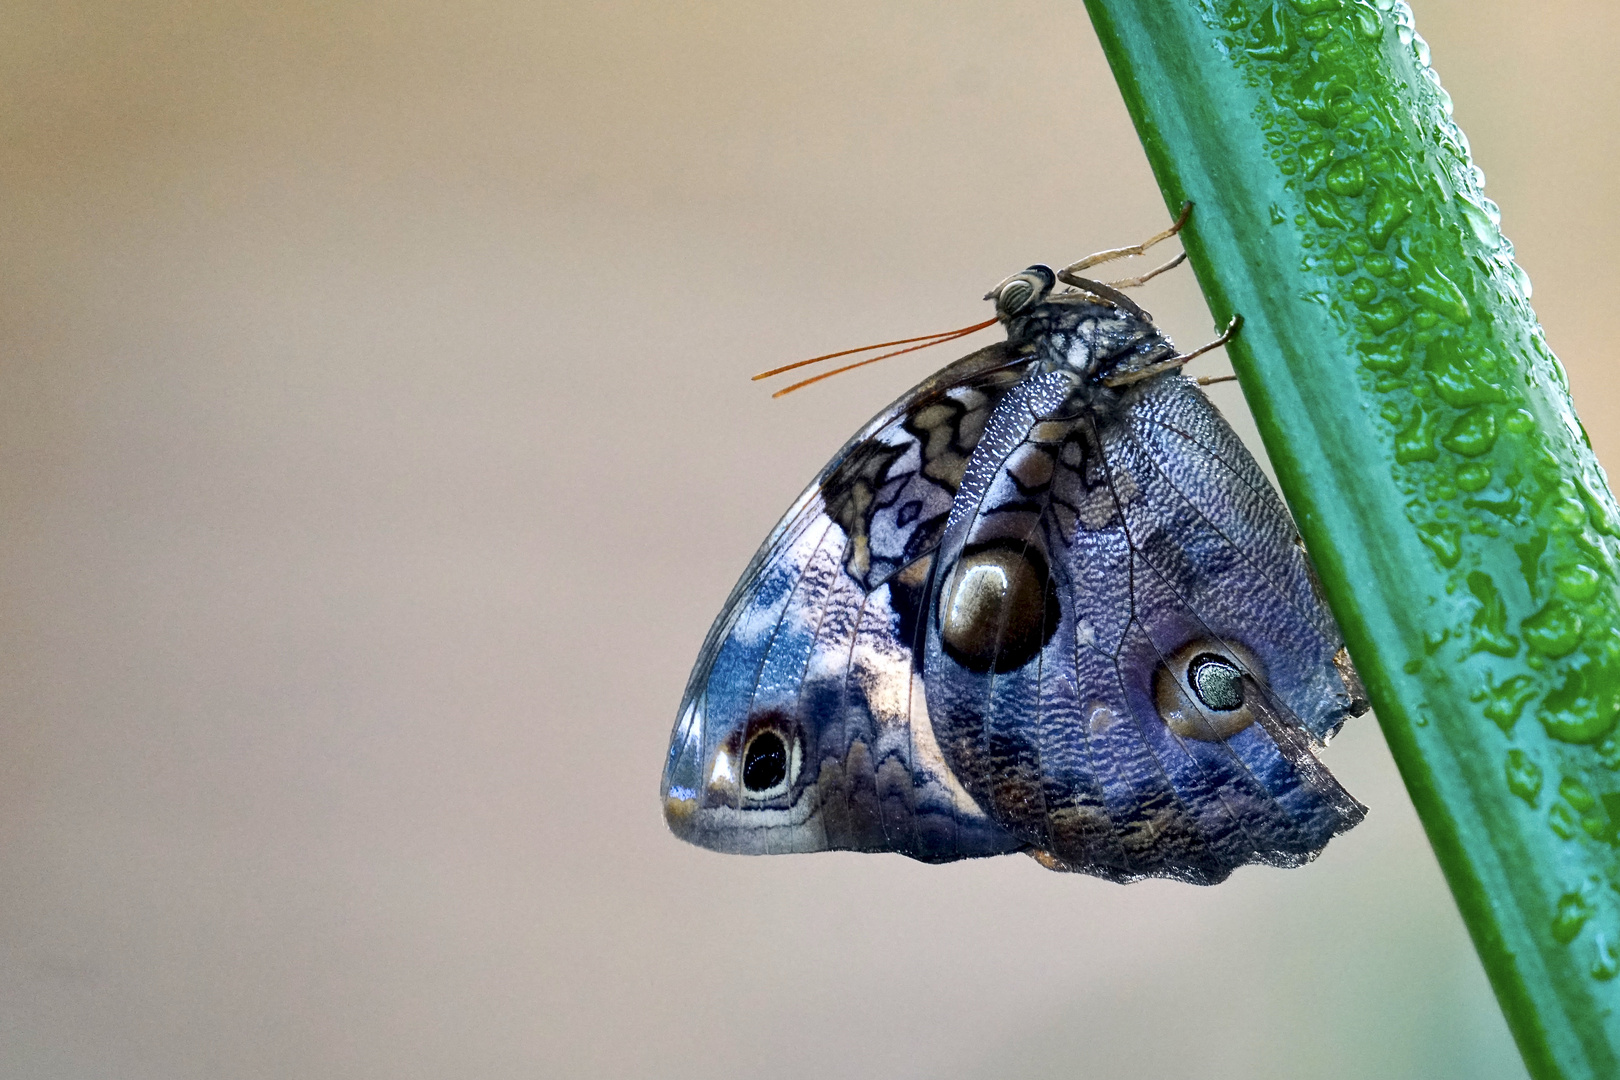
[1423, 435]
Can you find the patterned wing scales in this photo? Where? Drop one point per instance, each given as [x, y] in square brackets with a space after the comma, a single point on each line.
[1131, 665]
[804, 726]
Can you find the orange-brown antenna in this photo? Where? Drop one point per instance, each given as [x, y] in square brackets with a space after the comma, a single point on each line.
[926, 339]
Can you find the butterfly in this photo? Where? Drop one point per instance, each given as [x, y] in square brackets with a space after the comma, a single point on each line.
[1045, 602]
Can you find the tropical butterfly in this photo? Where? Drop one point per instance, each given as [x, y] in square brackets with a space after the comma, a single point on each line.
[1045, 602]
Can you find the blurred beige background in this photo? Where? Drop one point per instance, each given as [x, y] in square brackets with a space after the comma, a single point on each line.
[376, 446]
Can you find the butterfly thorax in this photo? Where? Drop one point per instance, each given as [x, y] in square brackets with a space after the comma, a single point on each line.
[1092, 343]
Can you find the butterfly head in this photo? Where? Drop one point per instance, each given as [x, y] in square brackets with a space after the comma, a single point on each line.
[1090, 333]
[1022, 291]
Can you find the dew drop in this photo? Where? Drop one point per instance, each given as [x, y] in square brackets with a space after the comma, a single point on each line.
[1367, 21]
[1388, 356]
[1347, 177]
[1415, 442]
[1312, 156]
[1479, 222]
[1576, 793]
[1459, 378]
[1474, 476]
[1386, 314]
[1388, 209]
[1489, 624]
[1315, 28]
[1561, 820]
[1523, 776]
[1520, 422]
[1326, 211]
[1573, 911]
[1609, 753]
[1435, 291]
[1504, 703]
[1554, 631]
[1444, 540]
[1577, 581]
[1567, 512]
[1605, 958]
[1472, 433]
[1599, 505]
[1272, 36]
[1521, 279]
[1582, 708]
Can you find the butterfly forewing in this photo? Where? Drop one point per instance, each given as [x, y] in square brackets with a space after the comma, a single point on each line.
[815, 650]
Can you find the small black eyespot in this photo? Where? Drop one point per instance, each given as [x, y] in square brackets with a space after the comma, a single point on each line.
[765, 762]
[1217, 682]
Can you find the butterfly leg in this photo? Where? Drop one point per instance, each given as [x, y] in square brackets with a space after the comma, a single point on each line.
[1178, 360]
[1143, 279]
[1135, 249]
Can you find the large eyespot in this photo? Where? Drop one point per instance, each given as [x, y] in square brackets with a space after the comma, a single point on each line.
[1022, 290]
[1203, 691]
[998, 608]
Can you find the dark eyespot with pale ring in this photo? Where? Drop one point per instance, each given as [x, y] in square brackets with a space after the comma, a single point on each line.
[770, 764]
[1203, 690]
[998, 608]
[1022, 290]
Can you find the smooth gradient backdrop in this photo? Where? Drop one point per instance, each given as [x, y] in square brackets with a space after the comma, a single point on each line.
[376, 446]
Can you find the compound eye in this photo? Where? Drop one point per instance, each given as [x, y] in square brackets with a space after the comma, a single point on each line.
[1203, 691]
[1022, 291]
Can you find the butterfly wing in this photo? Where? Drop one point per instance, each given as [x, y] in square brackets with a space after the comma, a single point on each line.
[804, 725]
[1130, 664]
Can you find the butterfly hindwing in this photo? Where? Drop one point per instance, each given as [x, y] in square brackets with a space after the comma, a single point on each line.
[1129, 663]
[804, 726]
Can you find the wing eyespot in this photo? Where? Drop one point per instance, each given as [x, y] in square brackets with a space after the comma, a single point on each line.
[765, 763]
[1216, 682]
[998, 609]
[768, 764]
[1206, 690]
